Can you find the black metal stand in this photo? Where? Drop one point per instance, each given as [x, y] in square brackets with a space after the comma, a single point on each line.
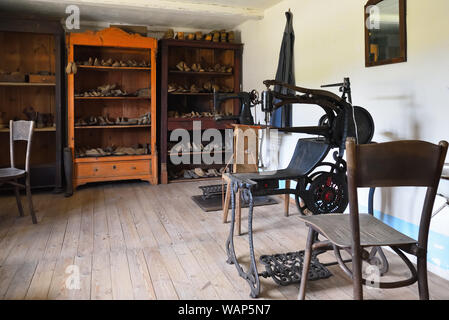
[251, 276]
[285, 270]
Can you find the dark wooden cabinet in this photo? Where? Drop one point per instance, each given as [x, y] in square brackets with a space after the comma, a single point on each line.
[30, 47]
[181, 105]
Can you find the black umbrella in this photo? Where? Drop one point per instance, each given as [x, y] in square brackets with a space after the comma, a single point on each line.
[285, 73]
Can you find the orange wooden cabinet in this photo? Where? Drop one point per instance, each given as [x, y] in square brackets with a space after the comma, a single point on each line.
[90, 103]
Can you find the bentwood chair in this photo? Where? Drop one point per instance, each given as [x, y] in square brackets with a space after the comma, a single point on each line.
[19, 131]
[392, 164]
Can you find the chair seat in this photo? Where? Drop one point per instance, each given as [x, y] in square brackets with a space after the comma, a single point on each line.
[11, 173]
[373, 232]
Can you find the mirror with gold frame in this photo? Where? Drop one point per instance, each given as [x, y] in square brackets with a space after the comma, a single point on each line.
[385, 32]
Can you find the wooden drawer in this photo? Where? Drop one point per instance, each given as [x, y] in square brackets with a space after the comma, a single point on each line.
[112, 169]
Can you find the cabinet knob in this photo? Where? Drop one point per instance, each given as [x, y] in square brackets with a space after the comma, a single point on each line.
[114, 167]
[133, 168]
[95, 169]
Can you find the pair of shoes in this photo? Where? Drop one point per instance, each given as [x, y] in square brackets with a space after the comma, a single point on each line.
[200, 173]
[144, 92]
[194, 89]
[169, 34]
[190, 174]
[197, 67]
[182, 66]
[213, 173]
[71, 68]
[172, 87]
[180, 36]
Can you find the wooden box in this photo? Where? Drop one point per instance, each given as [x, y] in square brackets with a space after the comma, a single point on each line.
[37, 78]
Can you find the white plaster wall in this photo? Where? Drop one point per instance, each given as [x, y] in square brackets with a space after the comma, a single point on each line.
[407, 100]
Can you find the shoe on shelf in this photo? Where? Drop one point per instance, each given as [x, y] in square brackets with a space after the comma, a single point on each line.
[116, 64]
[207, 86]
[93, 153]
[101, 121]
[97, 63]
[92, 121]
[180, 35]
[198, 35]
[172, 87]
[169, 34]
[108, 121]
[194, 89]
[68, 69]
[215, 88]
[200, 173]
[223, 36]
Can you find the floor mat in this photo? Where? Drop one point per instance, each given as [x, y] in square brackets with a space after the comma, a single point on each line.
[215, 203]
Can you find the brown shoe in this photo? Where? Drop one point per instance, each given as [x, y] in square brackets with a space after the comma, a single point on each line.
[180, 36]
[68, 69]
[169, 34]
[223, 36]
[194, 89]
[207, 86]
[216, 36]
[198, 35]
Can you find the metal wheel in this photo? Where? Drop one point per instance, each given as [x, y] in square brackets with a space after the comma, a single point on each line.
[300, 188]
[328, 193]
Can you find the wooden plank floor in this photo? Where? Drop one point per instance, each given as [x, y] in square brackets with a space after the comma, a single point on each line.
[135, 241]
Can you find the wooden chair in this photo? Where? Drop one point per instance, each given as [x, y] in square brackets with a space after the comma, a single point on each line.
[23, 131]
[393, 164]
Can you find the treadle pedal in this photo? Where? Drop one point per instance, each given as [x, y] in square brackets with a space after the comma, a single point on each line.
[286, 268]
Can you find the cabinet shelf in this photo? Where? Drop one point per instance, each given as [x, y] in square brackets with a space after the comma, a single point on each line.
[103, 68]
[113, 98]
[114, 126]
[48, 129]
[218, 74]
[26, 84]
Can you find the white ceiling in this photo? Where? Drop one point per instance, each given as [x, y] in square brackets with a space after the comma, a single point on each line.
[201, 14]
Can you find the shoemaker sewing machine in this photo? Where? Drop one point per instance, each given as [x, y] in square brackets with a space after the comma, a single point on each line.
[321, 190]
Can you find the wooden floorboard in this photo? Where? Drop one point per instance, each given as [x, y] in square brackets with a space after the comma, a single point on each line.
[136, 241]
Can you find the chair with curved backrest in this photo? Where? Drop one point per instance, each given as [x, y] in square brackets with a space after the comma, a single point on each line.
[20, 131]
[393, 164]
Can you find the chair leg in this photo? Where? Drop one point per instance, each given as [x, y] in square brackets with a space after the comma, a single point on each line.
[306, 264]
[423, 286]
[286, 198]
[30, 200]
[238, 210]
[357, 280]
[19, 202]
[227, 202]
